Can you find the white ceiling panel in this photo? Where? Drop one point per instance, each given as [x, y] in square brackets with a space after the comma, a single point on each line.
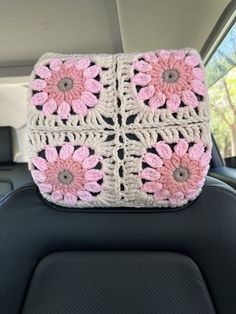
[28, 28]
[154, 24]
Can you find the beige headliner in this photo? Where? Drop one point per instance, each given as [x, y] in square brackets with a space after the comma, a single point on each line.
[152, 24]
[28, 28]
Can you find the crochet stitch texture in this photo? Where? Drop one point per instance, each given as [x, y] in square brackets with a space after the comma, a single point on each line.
[126, 130]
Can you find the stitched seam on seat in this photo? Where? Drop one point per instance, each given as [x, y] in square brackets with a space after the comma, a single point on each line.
[224, 190]
[136, 210]
[31, 187]
[13, 192]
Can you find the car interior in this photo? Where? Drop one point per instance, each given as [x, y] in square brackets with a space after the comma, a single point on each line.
[131, 256]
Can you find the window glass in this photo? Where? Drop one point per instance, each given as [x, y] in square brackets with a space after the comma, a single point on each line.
[221, 77]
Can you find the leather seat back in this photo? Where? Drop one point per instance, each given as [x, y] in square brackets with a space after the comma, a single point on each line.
[12, 175]
[118, 260]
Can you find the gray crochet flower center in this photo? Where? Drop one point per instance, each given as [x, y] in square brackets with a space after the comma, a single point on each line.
[65, 177]
[65, 84]
[181, 174]
[170, 75]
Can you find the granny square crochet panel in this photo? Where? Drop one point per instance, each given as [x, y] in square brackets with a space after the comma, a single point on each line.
[119, 130]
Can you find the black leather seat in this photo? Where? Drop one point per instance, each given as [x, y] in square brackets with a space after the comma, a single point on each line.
[12, 175]
[63, 261]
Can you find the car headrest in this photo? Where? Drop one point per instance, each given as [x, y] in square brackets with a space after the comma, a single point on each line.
[119, 130]
[6, 145]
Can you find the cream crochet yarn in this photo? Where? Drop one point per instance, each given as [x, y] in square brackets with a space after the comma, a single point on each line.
[119, 130]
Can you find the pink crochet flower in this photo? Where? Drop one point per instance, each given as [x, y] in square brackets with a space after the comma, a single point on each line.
[169, 78]
[69, 175]
[63, 86]
[175, 175]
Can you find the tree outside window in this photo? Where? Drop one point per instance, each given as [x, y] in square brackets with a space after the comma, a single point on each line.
[221, 77]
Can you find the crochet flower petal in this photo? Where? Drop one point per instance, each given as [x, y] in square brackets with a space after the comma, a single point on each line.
[179, 174]
[142, 66]
[205, 170]
[38, 176]
[199, 88]
[189, 98]
[150, 174]
[55, 64]
[39, 98]
[91, 162]
[200, 183]
[93, 187]
[83, 63]
[157, 100]
[170, 78]
[196, 151]
[146, 93]
[150, 57]
[181, 148]
[161, 195]
[165, 54]
[151, 187]
[43, 71]
[45, 188]
[185, 161]
[66, 151]
[179, 54]
[163, 150]
[57, 196]
[40, 163]
[93, 86]
[81, 153]
[89, 99]
[92, 71]
[38, 85]
[70, 199]
[79, 107]
[192, 194]
[176, 199]
[62, 175]
[192, 60]
[205, 159]
[94, 175]
[153, 160]
[141, 79]
[85, 196]
[175, 161]
[64, 110]
[70, 85]
[198, 73]
[51, 153]
[69, 63]
[168, 166]
[49, 107]
[173, 103]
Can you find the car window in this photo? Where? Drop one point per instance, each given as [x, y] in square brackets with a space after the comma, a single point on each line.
[221, 77]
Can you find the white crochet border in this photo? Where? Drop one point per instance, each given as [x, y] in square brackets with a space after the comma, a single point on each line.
[93, 131]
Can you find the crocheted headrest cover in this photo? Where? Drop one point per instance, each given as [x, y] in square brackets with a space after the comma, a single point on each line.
[119, 130]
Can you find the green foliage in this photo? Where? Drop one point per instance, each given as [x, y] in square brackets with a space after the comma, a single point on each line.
[221, 78]
[223, 116]
[223, 59]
